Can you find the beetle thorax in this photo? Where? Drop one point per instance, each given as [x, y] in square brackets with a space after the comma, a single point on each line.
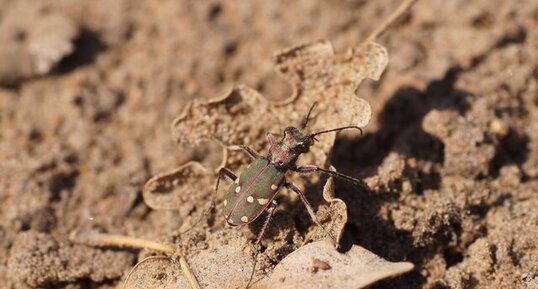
[285, 153]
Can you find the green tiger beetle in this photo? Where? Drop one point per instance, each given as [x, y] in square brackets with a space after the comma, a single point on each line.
[253, 192]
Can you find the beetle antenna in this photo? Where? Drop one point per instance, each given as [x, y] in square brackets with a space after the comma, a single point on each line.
[336, 129]
[253, 268]
[342, 176]
[308, 115]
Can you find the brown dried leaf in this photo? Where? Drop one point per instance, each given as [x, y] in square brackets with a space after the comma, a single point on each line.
[332, 216]
[154, 272]
[316, 73]
[243, 116]
[226, 117]
[337, 211]
[314, 67]
[225, 267]
[184, 186]
[355, 269]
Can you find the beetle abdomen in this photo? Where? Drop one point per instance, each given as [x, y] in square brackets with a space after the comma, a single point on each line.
[252, 192]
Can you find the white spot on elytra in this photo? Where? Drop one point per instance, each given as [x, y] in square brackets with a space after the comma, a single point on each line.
[237, 189]
[263, 201]
[274, 187]
[244, 219]
[250, 199]
[225, 203]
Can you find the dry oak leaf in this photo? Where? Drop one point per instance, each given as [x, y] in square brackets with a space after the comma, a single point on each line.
[354, 269]
[224, 267]
[244, 116]
[337, 210]
[156, 272]
[333, 212]
[317, 74]
[168, 191]
[228, 267]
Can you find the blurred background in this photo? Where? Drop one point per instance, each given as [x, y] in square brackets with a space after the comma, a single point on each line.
[88, 90]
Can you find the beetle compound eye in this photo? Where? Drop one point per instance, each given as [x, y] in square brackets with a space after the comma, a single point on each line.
[288, 131]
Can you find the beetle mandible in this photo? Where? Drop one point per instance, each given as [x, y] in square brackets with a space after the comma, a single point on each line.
[253, 191]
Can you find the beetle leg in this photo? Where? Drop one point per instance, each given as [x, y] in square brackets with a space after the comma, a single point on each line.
[271, 138]
[308, 169]
[294, 188]
[298, 191]
[224, 173]
[250, 152]
[227, 174]
[270, 213]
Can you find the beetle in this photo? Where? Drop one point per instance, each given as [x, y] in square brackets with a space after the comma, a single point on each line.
[253, 192]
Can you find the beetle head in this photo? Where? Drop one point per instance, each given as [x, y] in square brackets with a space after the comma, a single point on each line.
[296, 140]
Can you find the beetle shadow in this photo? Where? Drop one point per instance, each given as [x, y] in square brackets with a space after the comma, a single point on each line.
[400, 131]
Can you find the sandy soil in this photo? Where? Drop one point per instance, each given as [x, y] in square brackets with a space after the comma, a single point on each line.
[450, 156]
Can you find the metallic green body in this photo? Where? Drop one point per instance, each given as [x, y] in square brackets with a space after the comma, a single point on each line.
[252, 192]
